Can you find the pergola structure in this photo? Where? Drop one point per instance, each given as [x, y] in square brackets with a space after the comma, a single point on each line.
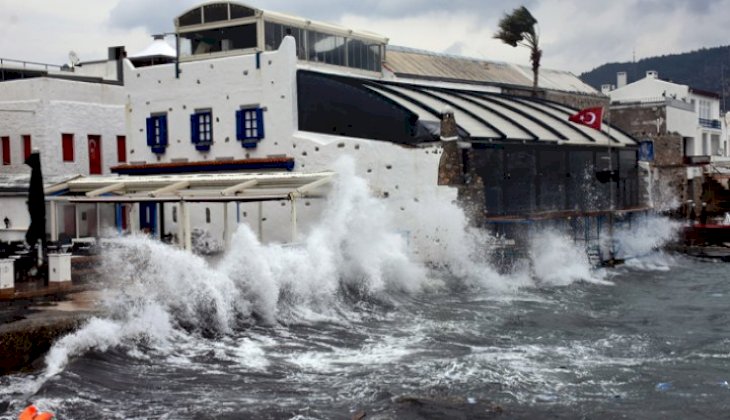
[183, 189]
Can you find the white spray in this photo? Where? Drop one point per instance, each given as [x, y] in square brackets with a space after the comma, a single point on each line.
[354, 250]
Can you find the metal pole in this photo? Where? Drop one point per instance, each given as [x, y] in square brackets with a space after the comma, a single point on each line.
[610, 190]
[226, 237]
[181, 225]
[77, 220]
[98, 220]
[188, 233]
[293, 219]
[261, 222]
[177, 56]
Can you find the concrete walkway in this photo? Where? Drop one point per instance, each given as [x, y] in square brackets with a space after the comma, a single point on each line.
[30, 325]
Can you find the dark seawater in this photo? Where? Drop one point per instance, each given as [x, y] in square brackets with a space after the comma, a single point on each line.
[654, 345]
[359, 319]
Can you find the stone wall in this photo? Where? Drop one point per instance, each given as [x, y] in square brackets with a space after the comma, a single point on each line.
[571, 99]
[641, 121]
[668, 150]
[578, 100]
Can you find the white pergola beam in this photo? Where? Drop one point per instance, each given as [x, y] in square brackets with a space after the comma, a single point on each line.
[304, 189]
[169, 188]
[239, 187]
[103, 190]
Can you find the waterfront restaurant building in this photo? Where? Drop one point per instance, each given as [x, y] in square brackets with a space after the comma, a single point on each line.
[254, 90]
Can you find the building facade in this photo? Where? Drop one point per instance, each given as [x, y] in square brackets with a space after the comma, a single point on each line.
[254, 90]
[686, 129]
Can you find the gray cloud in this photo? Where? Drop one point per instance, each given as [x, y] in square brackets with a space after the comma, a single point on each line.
[576, 34]
[158, 16]
[154, 16]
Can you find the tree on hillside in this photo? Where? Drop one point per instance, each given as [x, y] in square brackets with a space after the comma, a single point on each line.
[518, 28]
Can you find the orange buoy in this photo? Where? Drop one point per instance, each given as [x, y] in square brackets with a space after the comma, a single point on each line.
[31, 413]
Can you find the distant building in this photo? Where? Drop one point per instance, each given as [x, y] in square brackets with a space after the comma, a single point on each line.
[691, 113]
[73, 115]
[683, 124]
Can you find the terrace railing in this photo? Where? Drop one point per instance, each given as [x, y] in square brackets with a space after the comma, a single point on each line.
[707, 123]
[27, 65]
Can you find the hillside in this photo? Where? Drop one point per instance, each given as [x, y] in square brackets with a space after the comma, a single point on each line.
[701, 69]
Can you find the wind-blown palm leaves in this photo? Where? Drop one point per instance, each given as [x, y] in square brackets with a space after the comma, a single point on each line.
[518, 28]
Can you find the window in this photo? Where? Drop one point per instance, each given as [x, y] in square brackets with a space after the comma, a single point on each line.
[274, 33]
[27, 147]
[174, 215]
[67, 146]
[326, 48]
[207, 215]
[705, 109]
[207, 41]
[201, 129]
[157, 133]
[6, 149]
[250, 126]
[121, 149]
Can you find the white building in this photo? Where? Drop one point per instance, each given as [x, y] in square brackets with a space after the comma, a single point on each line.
[74, 117]
[255, 90]
[692, 113]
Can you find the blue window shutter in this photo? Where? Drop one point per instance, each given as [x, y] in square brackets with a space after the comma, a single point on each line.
[150, 131]
[163, 130]
[259, 123]
[239, 124]
[195, 128]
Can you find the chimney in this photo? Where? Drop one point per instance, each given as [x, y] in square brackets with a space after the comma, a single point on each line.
[451, 166]
[620, 79]
[652, 74]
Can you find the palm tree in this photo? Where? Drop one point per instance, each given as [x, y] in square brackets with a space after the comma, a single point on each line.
[518, 28]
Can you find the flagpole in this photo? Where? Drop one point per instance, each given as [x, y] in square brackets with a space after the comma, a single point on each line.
[610, 188]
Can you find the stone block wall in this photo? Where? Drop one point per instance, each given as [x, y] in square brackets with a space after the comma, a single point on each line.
[578, 100]
[641, 121]
[668, 150]
[571, 99]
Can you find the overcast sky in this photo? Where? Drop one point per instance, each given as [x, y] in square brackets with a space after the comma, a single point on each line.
[576, 35]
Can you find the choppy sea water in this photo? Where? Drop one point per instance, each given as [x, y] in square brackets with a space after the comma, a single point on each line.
[655, 344]
[356, 321]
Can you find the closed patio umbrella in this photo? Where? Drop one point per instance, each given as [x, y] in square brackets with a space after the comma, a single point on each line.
[36, 203]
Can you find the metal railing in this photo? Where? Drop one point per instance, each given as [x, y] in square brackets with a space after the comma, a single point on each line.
[655, 101]
[29, 65]
[707, 123]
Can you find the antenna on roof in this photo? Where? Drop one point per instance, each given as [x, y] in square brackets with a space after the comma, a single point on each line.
[73, 59]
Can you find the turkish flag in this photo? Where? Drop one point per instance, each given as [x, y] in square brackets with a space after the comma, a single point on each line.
[590, 116]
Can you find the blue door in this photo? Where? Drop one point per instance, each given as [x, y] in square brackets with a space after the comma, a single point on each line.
[148, 217]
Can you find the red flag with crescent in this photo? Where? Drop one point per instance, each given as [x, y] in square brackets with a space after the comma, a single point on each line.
[590, 116]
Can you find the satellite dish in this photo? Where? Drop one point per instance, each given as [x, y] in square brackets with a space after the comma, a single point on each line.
[73, 59]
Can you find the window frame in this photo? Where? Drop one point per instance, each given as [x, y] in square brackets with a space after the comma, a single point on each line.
[27, 146]
[201, 129]
[5, 151]
[157, 133]
[251, 135]
[121, 149]
[68, 154]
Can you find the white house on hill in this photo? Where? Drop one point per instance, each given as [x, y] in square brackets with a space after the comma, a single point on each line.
[692, 113]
